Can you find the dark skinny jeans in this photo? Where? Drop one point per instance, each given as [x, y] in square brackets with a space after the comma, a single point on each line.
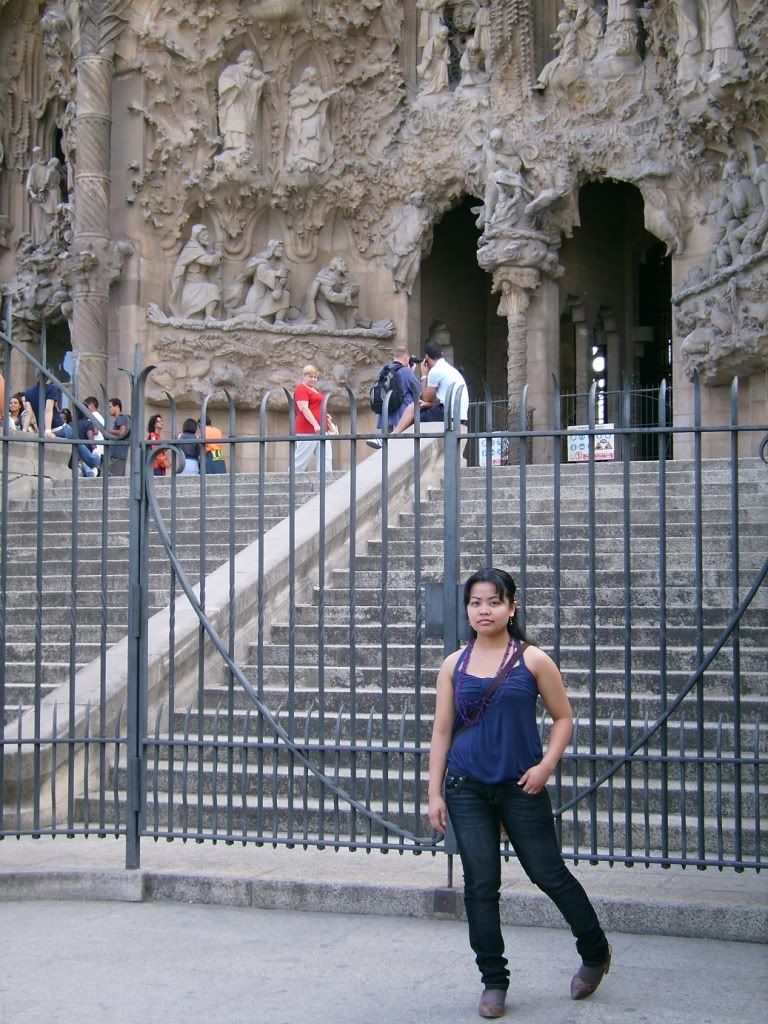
[476, 810]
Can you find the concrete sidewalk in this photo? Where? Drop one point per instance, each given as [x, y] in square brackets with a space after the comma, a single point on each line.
[148, 964]
[651, 901]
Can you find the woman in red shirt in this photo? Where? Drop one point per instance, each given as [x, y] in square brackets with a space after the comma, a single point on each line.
[308, 402]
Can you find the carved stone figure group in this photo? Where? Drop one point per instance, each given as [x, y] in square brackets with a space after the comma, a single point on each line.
[261, 289]
[739, 215]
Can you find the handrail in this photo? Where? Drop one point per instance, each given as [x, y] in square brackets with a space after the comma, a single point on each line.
[295, 748]
[692, 680]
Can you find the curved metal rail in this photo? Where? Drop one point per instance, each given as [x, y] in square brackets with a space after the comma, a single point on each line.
[426, 842]
[693, 679]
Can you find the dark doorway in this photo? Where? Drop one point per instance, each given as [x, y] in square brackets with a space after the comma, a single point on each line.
[456, 292]
[618, 274]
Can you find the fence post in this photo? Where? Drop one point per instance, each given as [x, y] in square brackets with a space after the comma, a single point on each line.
[137, 621]
[451, 521]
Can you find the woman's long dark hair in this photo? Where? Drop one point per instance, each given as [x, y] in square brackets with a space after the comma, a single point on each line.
[153, 422]
[505, 588]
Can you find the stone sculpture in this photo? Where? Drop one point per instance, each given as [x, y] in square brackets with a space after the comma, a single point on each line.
[433, 69]
[261, 288]
[474, 77]
[193, 295]
[565, 48]
[707, 47]
[514, 195]
[410, 240]
[491, 162]
[309, 141]
[482, 34]
[43, 187]
[240, 87]
[619, 50]
[740, 217]
[430, 19]
[332, 300]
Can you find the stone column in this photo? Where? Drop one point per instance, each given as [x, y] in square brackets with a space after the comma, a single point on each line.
[516, 285]
[90, 291]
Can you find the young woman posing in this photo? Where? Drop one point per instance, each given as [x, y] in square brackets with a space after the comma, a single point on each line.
[487, 768]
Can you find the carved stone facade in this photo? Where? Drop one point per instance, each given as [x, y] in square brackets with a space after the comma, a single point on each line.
[246, 185]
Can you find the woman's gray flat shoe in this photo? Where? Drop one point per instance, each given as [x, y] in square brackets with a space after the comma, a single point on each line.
[492, 1002]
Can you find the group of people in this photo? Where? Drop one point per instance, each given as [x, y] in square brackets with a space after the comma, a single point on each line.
[435, 382]
[38, 410]
[198, 445]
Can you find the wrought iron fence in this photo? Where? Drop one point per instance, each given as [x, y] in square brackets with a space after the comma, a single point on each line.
[252, 657]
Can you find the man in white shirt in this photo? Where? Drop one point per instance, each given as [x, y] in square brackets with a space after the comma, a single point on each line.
[92, 405]
[437, 377]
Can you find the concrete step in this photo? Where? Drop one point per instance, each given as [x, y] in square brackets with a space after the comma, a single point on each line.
[400, 591]
[401, 631]
[573, 659]
[718, 684]
[279, 817]
[276, 778]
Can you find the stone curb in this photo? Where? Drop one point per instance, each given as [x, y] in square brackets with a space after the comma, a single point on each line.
[695, 920]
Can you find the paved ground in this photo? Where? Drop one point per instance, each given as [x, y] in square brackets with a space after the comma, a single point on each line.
[690, 903]
[127, 963]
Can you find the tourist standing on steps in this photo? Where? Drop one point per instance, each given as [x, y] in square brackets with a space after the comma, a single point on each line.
[162, 461]
[402, 387]
[487, 769]
[214, 449]
[121, 425]
[189, 443]
[308, 402]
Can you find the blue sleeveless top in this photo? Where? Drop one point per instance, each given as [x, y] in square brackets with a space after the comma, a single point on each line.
[505, 743]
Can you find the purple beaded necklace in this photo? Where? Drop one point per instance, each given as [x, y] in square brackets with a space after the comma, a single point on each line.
[470, 712]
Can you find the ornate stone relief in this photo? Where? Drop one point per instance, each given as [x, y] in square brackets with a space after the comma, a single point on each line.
[194, 363]
[723, 322]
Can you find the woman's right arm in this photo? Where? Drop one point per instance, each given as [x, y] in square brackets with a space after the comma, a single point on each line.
[441, 742]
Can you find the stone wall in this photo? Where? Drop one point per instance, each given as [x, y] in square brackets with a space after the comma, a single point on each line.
[255, 144]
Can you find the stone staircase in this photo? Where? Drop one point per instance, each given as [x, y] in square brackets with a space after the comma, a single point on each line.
[98, 625]
[257, 790]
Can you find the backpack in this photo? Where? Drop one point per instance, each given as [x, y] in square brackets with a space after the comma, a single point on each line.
[388, 380]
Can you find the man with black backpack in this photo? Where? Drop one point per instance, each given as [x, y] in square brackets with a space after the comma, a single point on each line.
[398, 380]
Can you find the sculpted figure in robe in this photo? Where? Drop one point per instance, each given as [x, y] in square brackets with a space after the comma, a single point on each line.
[621, 29]
[332, 300]
[492, 159]
[433, 69]
[410, 240]
[42, 203]
[430, 19]
[706, 42]
[472, 64]
[514, 195]
[240, 88]
[309, 141]
[261, 287]
[482, 35]
[193, 294]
